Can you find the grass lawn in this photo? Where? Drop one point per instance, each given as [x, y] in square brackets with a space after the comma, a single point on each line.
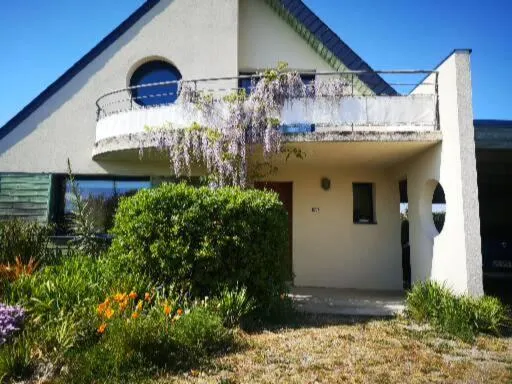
[329, 349]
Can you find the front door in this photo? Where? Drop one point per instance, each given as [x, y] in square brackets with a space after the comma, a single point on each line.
[285, 192]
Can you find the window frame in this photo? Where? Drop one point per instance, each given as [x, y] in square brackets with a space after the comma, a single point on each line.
[357, 216]
[58, 194]
[142, 71]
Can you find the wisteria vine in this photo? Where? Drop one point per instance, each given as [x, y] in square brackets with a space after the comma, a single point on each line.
[227, 129]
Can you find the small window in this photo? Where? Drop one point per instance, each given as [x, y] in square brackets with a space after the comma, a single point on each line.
[363, 203]
[155, 72]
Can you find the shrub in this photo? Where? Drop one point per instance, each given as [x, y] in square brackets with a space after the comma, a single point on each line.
[24, 239]
[60, 299]
[154, 342]
[462, 316]
[234, 305]
[199, 335]
[11, 321]
[202, 240]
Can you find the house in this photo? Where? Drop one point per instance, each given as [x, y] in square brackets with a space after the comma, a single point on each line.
[343, 198]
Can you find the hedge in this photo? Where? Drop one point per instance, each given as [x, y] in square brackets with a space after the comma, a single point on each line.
[204, 240]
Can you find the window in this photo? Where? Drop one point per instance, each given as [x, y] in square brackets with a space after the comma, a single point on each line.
[155, 72]
[102, 196]
[363, 203]
[249, 83]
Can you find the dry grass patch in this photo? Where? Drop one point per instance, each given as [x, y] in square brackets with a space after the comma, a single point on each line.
[327, 349]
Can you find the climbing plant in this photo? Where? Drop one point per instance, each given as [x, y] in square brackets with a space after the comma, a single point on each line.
[227, 130]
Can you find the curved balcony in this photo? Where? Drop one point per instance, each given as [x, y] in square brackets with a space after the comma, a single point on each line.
[332, 108]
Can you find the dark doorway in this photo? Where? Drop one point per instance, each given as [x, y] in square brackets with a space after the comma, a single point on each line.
[404, 236]
[285, 192]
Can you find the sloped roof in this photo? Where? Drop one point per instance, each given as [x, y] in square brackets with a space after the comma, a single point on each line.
[296, 8]
[77, 67]
[332, 42]
[490, 123]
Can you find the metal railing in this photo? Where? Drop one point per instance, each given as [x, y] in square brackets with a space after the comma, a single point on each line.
[164, 93]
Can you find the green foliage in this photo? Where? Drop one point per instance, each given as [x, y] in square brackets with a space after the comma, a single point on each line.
[199, 335]
[149, 345]
[234, 305]
[60, 298]
[26, 239]
[202, 240]
[15, 361]
[461, 316]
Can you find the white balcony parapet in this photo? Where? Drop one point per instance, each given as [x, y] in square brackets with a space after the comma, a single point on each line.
[118, 116]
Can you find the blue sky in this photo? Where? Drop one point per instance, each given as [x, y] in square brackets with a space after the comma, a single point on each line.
[42, 39]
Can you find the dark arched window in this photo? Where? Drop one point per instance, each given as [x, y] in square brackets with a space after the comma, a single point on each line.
[155, 72]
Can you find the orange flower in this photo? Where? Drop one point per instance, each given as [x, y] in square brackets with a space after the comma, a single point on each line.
[167, 310]
[109, 313]
[119, 297]
[139, 305]
[179, 312]
[147, 296]
[132, 295]
[101, 309]
[102, 328]
[135, 315]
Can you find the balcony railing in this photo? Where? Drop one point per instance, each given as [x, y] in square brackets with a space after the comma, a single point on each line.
[349, 106]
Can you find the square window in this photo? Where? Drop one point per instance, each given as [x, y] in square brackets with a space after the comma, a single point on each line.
[363, 203]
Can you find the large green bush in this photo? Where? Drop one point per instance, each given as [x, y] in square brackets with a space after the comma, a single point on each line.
[202, 240]
[25, 239]
[462, 316]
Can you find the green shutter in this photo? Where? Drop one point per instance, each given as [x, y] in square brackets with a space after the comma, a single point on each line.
[25, 196]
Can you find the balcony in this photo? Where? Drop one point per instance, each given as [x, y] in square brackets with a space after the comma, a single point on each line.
[331, 107]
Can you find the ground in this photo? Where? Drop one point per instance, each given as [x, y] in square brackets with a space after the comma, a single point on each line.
[329, 349]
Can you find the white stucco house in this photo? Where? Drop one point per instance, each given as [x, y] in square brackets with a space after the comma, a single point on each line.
[343, 198]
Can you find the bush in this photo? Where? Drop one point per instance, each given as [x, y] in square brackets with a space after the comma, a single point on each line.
[461, 316]
[26, 239]
[60, 299]
[199, 335]
[155, 342]
[203, 240]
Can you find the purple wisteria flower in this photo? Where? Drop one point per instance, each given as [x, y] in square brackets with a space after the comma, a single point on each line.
[11, 321]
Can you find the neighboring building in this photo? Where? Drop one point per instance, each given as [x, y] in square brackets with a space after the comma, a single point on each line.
[343, 198]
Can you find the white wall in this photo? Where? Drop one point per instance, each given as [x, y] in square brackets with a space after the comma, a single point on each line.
[199, 36]
[329, 250]
[454, 255]
[265, 39]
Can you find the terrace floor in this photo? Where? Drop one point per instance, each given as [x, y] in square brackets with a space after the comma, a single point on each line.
[348, 301]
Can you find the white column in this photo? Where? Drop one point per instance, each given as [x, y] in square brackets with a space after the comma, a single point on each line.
[453, 256]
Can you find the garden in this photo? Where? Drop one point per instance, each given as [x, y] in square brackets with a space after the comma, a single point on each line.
[187, 266]
[193, 284]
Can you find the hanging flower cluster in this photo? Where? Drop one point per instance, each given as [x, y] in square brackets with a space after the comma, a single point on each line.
[226, 130]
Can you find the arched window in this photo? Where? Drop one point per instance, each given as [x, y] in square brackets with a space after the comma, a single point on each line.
[156, 71]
